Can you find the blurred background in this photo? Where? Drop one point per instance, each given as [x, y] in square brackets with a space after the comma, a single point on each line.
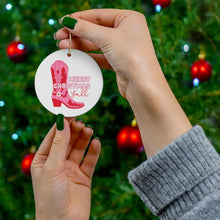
[186, 36]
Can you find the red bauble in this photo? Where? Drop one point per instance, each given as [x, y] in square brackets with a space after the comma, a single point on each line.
[162, 3]
[26, 164]
[202, 70]
[129, 140]
[17, 51]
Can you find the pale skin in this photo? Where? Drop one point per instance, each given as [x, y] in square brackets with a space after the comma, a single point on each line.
[61, 183]
[124, 40]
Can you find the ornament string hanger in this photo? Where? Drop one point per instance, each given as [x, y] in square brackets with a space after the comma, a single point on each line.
[70, 42]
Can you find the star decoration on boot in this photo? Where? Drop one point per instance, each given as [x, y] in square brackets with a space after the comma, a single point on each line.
[58, 94]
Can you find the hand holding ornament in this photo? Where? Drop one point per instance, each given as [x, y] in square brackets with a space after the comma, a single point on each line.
[125, 42]
[61, 180]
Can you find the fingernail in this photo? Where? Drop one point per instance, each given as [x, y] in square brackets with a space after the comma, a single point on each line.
[90, 126]
[60, 123]
[60, 21]
[57, 44]
[78, 119]
[54, 36]
[69, 22]
[97, 138]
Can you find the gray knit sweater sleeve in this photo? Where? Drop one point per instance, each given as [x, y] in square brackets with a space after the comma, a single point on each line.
[182, 181]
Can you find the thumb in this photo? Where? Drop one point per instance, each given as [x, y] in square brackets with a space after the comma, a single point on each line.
[60, 142]
[87, 30]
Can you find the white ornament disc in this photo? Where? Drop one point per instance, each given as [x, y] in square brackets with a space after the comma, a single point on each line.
[68, 85]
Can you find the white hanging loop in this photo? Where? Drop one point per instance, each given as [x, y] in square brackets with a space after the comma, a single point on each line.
[70, 41]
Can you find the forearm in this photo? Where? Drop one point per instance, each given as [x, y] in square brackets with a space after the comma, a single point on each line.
[159, 116]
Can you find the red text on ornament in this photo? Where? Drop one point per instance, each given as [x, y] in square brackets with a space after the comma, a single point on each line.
[82, 93]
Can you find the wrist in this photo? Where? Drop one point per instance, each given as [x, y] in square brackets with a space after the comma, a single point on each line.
[144, 72]
[159, 115]
[145, 83]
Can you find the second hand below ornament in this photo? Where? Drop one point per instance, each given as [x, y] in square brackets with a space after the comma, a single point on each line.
[68, 82]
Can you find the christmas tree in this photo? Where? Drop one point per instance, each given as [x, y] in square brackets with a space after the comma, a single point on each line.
[183, 32]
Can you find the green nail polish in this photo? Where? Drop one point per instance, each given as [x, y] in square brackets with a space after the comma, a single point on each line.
[90, 126]
[78, 119]
[97, 138]
[69, 22]
[60, 122]
[54, 36]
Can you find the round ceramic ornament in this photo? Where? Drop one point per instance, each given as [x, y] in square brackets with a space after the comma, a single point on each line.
[68, 83]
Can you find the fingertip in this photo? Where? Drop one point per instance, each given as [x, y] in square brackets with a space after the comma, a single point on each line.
[61, 44]
[69, 22]
[60, 122]
[60, 20]
[97, 139]
[62, 33]
[64, 44]
[77, 126]
[54, 36]
[88, 130]
[79, 119]
[57, 43]
[63, 129]
[96, 145]
[91, 158]
[89, 126]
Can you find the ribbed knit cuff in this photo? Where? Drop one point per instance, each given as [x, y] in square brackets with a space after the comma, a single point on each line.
[181, 172]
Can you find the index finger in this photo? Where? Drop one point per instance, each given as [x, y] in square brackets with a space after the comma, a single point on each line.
[45, 146]
[105, 17]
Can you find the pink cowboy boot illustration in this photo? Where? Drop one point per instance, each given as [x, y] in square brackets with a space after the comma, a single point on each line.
[59, 72]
